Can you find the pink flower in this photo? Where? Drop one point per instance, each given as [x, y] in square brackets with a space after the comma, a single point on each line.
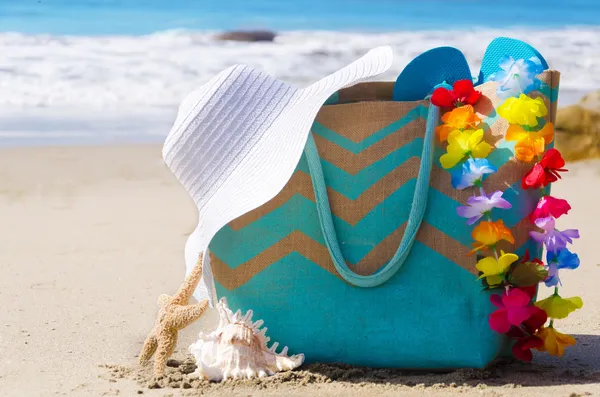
[513, 308]
[554, 240]
[550, 206]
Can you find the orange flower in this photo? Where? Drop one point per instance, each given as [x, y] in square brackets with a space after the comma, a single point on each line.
[554, 341]
[488, 233]
[530, 144]
[460, 118]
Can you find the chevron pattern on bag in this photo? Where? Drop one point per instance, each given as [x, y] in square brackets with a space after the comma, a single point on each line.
[370, 153]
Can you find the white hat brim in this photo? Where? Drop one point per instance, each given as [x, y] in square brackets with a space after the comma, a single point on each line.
[237, 140]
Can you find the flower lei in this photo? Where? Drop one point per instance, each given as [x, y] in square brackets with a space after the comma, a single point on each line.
[516, 280]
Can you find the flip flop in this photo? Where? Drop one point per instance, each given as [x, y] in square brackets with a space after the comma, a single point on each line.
[501, 47]
[431, 68]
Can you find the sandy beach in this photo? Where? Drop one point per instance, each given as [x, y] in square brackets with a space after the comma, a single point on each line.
[92, 235]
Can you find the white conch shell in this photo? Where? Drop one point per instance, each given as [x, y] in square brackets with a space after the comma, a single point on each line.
[238, 349]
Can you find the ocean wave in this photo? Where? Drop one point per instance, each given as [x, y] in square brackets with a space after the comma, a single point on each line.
[154, 72]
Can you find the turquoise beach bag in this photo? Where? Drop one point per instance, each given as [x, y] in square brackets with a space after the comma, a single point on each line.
[362, 258]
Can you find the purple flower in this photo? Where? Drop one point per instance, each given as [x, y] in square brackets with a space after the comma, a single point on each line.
[472, 173]
[479, 206]
[554, 240]
[563, 259]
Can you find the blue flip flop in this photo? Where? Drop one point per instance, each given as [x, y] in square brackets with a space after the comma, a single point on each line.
[505, 46]
[419, 77]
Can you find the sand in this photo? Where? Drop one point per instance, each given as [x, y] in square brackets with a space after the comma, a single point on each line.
[92, 235]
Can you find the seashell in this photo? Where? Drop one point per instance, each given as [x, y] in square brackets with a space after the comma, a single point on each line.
[238, 349]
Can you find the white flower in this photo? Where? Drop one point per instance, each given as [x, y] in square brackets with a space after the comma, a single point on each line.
[517, 77]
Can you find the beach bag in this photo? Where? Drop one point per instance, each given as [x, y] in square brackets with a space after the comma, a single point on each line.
[335, 213]
[362, 258]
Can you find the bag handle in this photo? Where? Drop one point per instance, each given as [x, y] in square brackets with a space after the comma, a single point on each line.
[419, 204]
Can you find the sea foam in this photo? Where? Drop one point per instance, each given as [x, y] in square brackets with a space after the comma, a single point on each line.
[67, 82]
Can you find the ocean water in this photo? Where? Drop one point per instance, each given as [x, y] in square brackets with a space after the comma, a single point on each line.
[133, 17]
[78, 71]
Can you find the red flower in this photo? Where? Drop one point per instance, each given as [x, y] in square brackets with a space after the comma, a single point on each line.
[550, 206]
[522, 348]
[536, 321]
[544, 172]
[525, 334]
[513, 309]
[526, 258]
[462, 93]
[532, 289]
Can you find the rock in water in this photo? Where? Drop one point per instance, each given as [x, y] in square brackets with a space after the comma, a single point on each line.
[578, 131]
[249, 36]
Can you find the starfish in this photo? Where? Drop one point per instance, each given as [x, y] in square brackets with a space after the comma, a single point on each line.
[174, 314]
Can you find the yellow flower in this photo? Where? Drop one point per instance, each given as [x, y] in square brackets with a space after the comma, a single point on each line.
[530, 144]
[493, 268]
[488, 233]
[522, 110]
[557, 307]
[554, 341]
[462, 144]
[460, 118]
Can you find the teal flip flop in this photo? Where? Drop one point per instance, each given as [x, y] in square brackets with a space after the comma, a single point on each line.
[431, 68]
[502, 47]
